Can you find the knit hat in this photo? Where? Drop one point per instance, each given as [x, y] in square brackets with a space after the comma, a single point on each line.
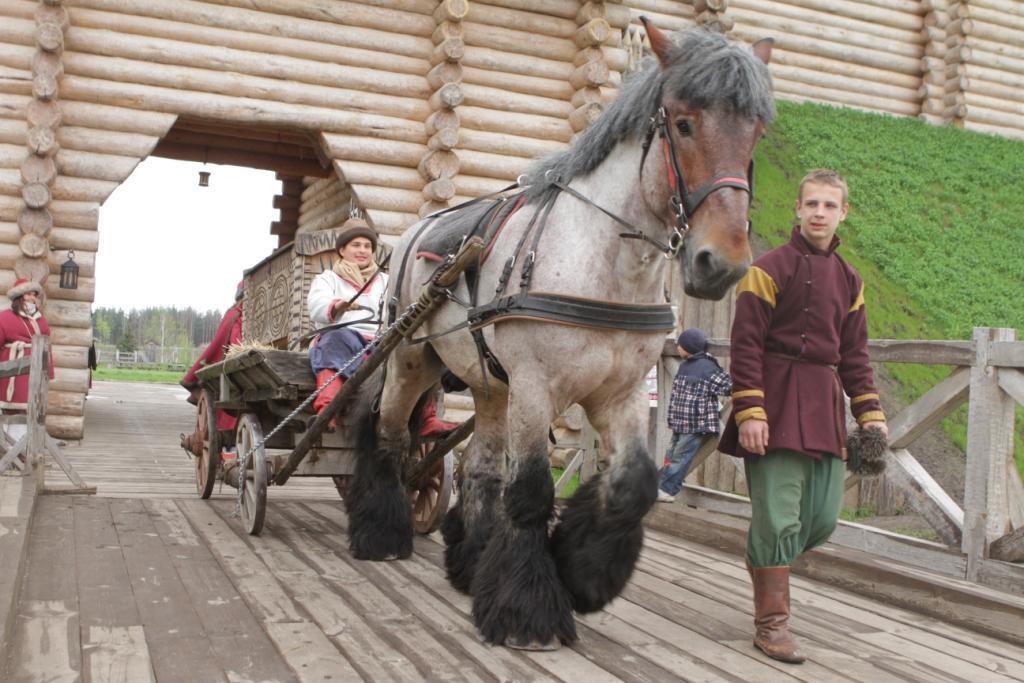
[693, 340]
[22, 287]
[240, 290]
[355, 227]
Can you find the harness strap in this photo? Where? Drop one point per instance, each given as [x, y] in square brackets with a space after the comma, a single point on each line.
[575, 311]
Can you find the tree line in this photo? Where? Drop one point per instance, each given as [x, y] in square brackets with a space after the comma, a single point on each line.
[163, 327]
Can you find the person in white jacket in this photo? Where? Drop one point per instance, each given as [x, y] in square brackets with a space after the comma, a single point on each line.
[352, 293]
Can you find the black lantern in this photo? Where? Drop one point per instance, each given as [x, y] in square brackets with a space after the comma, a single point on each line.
[69, 272]
[204, 179]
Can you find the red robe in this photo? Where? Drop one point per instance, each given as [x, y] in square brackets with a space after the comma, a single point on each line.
[228, 332]
[799, 339]
[16, 337]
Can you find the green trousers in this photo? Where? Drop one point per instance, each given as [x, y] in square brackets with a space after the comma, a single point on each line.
[795, 503]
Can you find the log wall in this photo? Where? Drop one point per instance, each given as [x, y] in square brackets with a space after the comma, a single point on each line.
[417, 103]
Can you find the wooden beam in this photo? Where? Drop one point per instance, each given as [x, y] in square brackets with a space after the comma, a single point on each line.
[269, 162]
[925, 495]
[1007, 354]
[926, 351]
[18, 366]
[989, 445]
[286, 201]
[1009, 548]
[272, 135]
[937, 403]
[281, 149]
[283, 228]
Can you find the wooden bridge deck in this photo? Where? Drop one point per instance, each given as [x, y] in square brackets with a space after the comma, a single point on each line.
[146, 582]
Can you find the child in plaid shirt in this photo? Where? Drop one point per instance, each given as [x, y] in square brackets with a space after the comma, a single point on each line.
[692, 409]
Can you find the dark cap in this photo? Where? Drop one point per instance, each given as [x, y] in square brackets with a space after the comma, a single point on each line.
[693, 340]
[353, 228]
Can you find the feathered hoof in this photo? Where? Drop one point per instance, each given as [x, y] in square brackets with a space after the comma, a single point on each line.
[533, 645]
[380, 547]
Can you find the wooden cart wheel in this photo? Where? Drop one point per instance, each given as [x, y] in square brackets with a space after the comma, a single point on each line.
[431, 497]
[208, 440]
[254, 481]
[342, 482]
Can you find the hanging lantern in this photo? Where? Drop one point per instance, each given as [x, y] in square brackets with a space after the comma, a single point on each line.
[69, 272]
[204, 179]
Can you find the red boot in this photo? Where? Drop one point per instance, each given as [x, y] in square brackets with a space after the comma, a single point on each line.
[324, 397]
[432, 425]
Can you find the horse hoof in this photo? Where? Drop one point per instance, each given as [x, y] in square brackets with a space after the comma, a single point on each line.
[533, 645]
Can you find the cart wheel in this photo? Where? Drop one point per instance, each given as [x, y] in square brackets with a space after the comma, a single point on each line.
[254, 481]
[342, 482]
[208, 440]
[430, 499]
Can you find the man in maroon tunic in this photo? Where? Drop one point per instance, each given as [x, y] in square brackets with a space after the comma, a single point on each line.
[17, 326]
[799, 341]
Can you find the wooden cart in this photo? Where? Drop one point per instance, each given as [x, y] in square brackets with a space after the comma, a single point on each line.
[262, 388]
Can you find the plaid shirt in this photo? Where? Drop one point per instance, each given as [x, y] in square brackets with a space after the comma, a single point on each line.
[693, 407]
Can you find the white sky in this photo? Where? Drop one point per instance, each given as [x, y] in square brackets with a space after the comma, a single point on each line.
[165, 241]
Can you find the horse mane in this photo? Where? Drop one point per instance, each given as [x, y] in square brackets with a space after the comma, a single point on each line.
[705, 70]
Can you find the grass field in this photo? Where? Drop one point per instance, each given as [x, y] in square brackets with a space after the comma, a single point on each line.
[132, 375]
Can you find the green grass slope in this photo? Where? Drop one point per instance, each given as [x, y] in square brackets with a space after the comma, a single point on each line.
[936, 224]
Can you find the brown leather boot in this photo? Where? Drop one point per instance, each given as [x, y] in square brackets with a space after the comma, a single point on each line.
[771, 615]
[325, 396]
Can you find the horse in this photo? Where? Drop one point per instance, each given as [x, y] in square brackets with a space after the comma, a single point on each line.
[661, 174]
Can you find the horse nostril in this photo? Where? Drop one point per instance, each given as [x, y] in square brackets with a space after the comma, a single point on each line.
[704, 262]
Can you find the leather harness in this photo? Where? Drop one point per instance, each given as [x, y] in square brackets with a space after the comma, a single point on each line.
[560, 308]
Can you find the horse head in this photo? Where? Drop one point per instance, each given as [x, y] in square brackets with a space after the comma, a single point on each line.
[715, 101]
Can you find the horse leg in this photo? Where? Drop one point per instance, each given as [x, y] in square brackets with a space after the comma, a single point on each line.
[379, 513]
[518, 599]
[468, 526]
[599, 536]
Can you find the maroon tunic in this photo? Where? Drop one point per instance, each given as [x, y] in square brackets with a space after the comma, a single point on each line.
[799, 339]
[16, 337]
[228, 332]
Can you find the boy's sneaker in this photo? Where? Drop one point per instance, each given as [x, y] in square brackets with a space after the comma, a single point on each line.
[665, 497]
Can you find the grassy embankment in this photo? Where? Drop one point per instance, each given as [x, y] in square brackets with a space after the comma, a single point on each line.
[136, 375]
[935, 226]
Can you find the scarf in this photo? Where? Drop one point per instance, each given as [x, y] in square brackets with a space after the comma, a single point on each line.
[347, 270]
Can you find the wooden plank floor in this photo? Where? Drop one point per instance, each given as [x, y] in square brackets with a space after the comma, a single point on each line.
[123, 587]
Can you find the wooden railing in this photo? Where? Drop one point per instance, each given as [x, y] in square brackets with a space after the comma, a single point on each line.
[988, 531]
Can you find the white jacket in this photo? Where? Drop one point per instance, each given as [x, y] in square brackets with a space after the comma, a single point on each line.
[328, 287]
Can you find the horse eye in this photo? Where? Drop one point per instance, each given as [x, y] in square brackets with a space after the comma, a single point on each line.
[683, 126]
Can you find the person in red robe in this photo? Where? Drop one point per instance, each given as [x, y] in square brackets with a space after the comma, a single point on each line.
[229, 332]
[18, 324]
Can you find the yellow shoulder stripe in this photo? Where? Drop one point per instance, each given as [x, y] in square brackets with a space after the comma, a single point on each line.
[863, 397]
[747, 392]
[859, 301]
[760, 284]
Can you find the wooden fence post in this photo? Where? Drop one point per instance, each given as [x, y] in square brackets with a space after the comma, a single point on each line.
[989, 446]
[38, 387]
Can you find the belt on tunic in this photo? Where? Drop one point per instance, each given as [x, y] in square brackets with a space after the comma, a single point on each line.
[17, 351]
[840, 404]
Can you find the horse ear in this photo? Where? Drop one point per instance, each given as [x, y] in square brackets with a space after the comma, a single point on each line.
[661, 45]
[762, 49]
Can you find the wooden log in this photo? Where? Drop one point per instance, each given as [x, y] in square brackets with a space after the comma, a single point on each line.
[475, 186]
[356, 148]
[849, 15]
[853, 85]
[392, 222]
[1014, 133]
[1009, 23]
[37, 169]
[41, 141]
[50, 38]
[451, 10]
[199, 81]
[34, 246]
[582, 118]
[994, 105]
[448, 96]
[71, 214]
[1006, 57]
[507, 62]
[442, 119]
[443, 73]
[93, 165]
[83, 189]
[497, 99]
[448, 50]
[519, 42]
[927, 411]
[35, 222]
[200, 22]
[44, 87]
[364, 173]
[10, 254]
[536, 22]
[81, 241]
[527, 125]
[31, 269]
[99, 116]
[617, 16]
[214, 155]
[71, 336]
[242, 110]
[440, 190]
[836, 50]
[530, 85]
[86, 290]
[389, 16]
[447, 138]
[438, 164]
[491, 165]
[36, 195]
[65, 426]
[590, 75]
[506, 144]
[371, 197]
[587, 95]
[445, 31]
[65, 403]
[68, 314]
[907, 107]
[594, 32]
[930, 91]
[70, 356]
[565, 9]
[430, 207]
[975, 71]
[1009, 548]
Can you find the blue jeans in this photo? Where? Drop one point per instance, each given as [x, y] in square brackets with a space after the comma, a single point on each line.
[680, 454]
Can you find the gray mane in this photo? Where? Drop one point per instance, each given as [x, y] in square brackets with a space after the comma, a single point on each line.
[705, 70]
